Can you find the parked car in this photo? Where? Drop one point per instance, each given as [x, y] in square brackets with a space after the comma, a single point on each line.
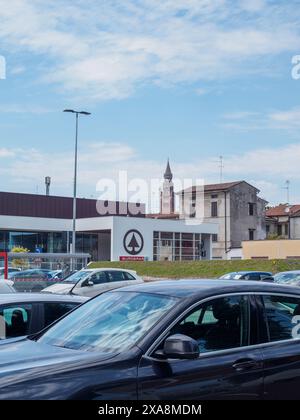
[288, 278]
[6, 286]
[26, 314]
[249, 275]
[33, 280]
[91, 282]
[188, 339]
[10, 270]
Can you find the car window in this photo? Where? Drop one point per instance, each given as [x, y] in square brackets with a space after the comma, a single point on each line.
[282, 315]
[128, 276]
[115, 276]
[219, 324]
[54, 311]
[99, 277]
[16, 319]
[252, 276]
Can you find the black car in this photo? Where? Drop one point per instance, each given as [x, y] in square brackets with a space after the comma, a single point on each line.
[249, 275]
[24, 314]
[189, 339]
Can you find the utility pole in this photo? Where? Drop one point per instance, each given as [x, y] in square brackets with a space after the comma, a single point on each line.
[75, 174]
[287, 188]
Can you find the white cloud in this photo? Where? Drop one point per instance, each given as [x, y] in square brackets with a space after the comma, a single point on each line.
[266, 168]
[106, 49]
[4, 153]
[23, 109]
[247, 120]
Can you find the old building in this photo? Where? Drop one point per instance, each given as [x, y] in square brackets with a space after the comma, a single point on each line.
[235, 207]
[167, 195]
[283, 222]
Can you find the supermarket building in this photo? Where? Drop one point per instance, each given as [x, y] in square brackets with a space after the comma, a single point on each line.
[44, 224]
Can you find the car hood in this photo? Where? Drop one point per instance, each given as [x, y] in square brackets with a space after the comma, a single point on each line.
[60, 288]
[23, 359]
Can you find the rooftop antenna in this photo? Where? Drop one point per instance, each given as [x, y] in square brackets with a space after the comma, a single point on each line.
[287, 188]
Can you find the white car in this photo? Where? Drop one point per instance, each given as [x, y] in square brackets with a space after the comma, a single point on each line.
[92, 282]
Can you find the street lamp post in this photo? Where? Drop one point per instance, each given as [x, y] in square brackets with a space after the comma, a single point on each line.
[73, 249]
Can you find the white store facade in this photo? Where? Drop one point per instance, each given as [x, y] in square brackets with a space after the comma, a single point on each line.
[115, 237]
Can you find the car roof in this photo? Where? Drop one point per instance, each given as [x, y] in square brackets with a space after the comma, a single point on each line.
[185, 288]
[251, 272]
[246, 272]
[39, 297]
[107, 269]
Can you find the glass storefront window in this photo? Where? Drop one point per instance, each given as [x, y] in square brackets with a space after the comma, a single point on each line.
[34, 241]
[176, 246]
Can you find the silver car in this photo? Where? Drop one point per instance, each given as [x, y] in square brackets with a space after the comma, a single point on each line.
[291, 278]
[6, 286]
[92, 282]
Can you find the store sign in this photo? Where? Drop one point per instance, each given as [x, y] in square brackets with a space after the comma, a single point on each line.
[126, 258]
[133, 242]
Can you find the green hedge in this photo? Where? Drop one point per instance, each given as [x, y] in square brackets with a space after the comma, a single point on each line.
[199, 269]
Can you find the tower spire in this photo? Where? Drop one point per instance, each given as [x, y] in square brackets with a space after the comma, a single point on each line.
[167, 195]
[168, 173]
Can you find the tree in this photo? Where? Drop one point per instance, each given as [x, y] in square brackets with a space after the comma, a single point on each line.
[19, 262]
[133, 243]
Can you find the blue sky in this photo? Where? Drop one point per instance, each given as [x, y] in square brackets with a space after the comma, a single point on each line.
[190, 80]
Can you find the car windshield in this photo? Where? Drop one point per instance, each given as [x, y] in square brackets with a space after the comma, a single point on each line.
[76, 277]
[286, 277]
[112, 322]
[230, 276]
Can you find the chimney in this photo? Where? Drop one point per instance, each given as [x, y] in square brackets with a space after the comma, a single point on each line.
[47, 183]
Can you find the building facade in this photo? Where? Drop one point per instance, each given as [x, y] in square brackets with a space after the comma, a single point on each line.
[283, 222]
[44, 224]
[236, 208]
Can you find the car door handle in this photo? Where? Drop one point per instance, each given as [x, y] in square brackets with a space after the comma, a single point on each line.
[245, 364]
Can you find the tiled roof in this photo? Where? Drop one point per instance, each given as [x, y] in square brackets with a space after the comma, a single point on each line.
[283, 210]
[214, 187]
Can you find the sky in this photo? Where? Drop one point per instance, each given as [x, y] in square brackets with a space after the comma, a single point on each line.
[189, 80]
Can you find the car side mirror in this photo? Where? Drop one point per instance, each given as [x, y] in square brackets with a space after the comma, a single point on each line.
[87, 283]
[179, 346]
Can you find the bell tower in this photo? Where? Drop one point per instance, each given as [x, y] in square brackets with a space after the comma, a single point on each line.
[167, 195]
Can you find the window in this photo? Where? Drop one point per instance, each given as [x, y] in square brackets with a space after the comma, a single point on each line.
[252, 276]
[215, 237]
[54, 311]
[251, 234]
[214, 196]
[99, 278]
[279, 230]
[17, 320]
[112, 322]
[115, 276]
[267, 229]
[251, 209]
[128, 276]
[281, 317]
[219, 324]
[214, 209]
